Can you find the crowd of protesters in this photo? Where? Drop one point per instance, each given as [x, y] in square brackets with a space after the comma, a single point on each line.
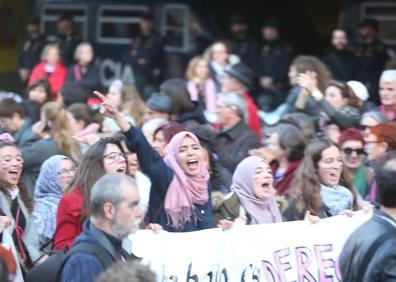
[199, 149]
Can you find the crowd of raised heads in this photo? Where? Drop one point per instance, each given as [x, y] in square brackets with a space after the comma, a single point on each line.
[246, 137]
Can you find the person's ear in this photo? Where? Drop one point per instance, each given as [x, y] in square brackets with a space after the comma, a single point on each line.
[109, 211]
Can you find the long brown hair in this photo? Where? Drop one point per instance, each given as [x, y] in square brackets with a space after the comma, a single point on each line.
[90, 169]
[23, 192]
[61, 131]
[305, 192]
[311, 63]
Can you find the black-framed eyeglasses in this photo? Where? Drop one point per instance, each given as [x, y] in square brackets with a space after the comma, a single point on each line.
[348, 151]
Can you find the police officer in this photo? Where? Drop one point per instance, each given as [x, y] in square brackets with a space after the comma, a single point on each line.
[241, 43]
[146, 57]
[68, 38]
[341, 61]
[274, 61]
[32, 47]
[372, 54]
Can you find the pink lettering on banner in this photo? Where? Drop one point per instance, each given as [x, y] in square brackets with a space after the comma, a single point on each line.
[270, 272]
[282, 266]
[324, 264]
[304, 259]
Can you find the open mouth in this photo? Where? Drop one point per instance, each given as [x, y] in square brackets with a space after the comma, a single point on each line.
[334, 175]
[265, 185]
[14, 173]
[192, 164]
[121, 170]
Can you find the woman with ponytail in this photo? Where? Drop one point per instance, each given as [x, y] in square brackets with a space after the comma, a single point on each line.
[52, 135]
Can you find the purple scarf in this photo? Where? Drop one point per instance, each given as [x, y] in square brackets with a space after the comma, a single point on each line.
[260, 211]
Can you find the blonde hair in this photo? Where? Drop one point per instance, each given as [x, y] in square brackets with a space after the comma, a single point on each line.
[61, 131]
[192, 65]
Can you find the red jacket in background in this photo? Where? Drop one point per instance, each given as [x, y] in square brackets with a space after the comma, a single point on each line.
[253, 118]
[69, 219]
[55, 80]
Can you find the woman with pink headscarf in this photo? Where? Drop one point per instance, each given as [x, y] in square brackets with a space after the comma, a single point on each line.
[180, 192]
[252, 185]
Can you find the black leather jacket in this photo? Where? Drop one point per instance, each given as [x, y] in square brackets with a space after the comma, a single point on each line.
[382, 266]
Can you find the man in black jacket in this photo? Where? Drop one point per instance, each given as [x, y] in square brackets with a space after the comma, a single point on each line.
[273, 66]
[243, 45]
[67, 38]
[370, 252]
[146, 56]
[235, 139]
[32, 46]
[372, 54]
[342, 62]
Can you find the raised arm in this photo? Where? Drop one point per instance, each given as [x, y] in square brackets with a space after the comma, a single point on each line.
[150, 161]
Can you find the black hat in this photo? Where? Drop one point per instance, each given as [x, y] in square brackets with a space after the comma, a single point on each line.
[160, 102]
[241, 72]
[369, 23]
[271, 22]
[147, 16]
[238, 19]
[65, 17]
[33, 20]
[73, 93]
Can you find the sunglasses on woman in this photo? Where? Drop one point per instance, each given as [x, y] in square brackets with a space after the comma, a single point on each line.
[348, 151]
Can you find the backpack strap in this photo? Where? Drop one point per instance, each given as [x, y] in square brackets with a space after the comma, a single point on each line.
[86, 247]
[371, 252]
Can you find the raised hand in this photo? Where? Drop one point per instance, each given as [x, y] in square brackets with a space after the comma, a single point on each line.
[308, 81]
[108, 109]
[39, 128]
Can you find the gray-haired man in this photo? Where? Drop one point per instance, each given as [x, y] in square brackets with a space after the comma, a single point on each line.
[114, 214]
[235, 139]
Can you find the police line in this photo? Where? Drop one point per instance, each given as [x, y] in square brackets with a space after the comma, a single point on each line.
[290, 251]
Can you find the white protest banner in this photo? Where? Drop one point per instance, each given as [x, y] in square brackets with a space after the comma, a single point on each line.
[290, 251]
